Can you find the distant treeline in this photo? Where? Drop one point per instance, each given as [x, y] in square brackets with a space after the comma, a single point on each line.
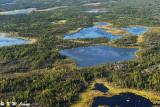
[61, 87]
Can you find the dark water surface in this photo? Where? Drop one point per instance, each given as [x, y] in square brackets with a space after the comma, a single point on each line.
[100, 87]
[98, 55]
[123, 100]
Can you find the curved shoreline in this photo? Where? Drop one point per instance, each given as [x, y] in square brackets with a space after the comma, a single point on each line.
[9, 12]
[31, 40]
[86, 97]
[30, 10]
[137, 44]
[114, 45]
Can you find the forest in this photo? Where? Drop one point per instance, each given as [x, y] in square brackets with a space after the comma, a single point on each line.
[37, 74]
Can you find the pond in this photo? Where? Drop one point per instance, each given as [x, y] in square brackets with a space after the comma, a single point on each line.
[136, 30]
[18, 11]
[98, 55]
[92, 32]
[123, 100]
[6, 3]
[100, 87]
[7, 41]
[95, 32]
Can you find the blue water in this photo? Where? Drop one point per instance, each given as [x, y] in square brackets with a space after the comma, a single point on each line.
[19, 12]
[136, 30]
[101, 23]
[94, 32]
[6, 3]
[6, 41]
[98, 55]
[95, 11]
[123, 100]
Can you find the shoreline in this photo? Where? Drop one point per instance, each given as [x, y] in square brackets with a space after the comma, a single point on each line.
[86, 97]
[75, 31]
[141, 36]
[154, 97]
[30, 10]
[31, 40]
[139, 41]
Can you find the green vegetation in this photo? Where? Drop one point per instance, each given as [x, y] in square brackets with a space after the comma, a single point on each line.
[46, 89]
[92, 41]
[86, 97]
[43, 4]
[125, 41]
[38, 74]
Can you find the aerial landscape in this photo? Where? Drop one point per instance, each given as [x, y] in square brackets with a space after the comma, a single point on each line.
[79, 53]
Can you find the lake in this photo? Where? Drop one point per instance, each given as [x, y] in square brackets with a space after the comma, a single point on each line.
[7, 41]
[123, 100]
[98, 55]
[18, 11]
[6, 3]
[94, 32]
[136, 30]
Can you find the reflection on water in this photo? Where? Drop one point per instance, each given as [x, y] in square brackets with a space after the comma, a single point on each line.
[6, 3]
[19, 11]
[94, 32]
[123, 100]
[136, 30]
[6, 41]
[98, 55]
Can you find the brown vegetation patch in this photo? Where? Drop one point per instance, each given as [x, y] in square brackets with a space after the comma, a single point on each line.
[15, 35]
[118, 32]
[67, 64]
[92, 4]
[75, 31]
[79, 41]
[53, 8]
[59, 22]
[102, 9]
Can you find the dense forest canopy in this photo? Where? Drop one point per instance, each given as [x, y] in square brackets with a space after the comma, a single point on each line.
[38, 74]
[42, 4]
